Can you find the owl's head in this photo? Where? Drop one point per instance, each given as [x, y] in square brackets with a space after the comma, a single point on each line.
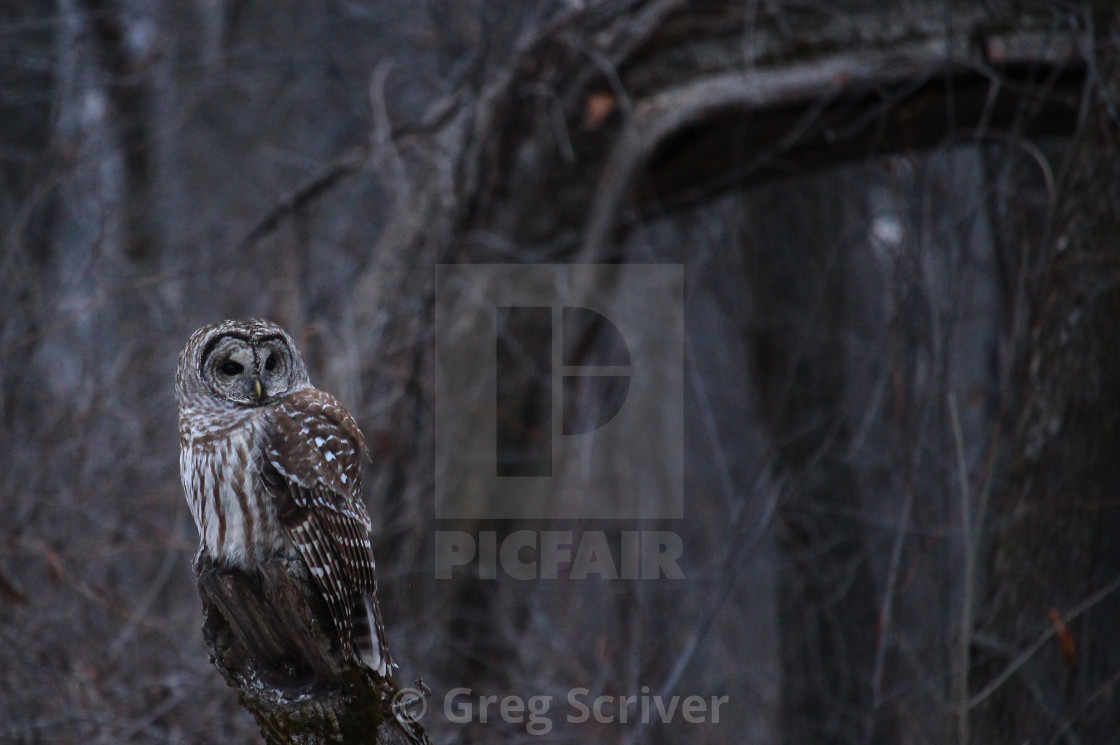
[244, 362]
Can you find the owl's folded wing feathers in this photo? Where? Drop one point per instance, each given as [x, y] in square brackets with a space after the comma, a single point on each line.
[312, 468]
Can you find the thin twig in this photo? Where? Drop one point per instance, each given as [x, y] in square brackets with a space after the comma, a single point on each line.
[54, 561]
[1044, 637]
[742, 545]
[964, 640]
[347, 165]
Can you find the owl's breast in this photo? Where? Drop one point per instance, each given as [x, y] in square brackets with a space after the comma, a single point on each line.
[236, 518]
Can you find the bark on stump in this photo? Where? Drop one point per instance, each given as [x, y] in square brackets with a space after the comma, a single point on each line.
[269, 634]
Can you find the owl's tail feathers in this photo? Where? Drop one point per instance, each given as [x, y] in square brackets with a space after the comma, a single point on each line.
[369, 636]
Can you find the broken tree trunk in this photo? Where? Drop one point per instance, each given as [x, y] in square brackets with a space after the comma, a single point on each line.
[269, 635]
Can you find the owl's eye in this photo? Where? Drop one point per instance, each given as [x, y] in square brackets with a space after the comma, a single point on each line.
[270, 363]
[231, 368]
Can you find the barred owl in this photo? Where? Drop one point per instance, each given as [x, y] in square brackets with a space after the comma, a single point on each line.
[272, 466]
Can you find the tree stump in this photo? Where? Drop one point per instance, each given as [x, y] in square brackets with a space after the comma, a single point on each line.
[270, 636]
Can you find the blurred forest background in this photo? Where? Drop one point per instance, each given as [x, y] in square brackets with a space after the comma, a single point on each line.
[900, 230]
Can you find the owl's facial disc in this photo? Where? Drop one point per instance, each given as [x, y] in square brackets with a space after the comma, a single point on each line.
[249, 370]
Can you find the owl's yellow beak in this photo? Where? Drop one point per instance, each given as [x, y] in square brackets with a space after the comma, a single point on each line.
[257, 388]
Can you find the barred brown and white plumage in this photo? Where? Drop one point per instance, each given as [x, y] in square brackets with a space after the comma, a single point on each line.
[272, 466]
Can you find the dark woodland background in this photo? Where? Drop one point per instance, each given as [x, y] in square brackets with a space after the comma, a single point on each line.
[900, 230]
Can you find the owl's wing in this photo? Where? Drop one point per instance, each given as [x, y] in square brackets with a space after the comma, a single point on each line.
[313, 454]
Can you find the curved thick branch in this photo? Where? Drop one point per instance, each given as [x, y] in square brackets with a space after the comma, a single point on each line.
[798, 95]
